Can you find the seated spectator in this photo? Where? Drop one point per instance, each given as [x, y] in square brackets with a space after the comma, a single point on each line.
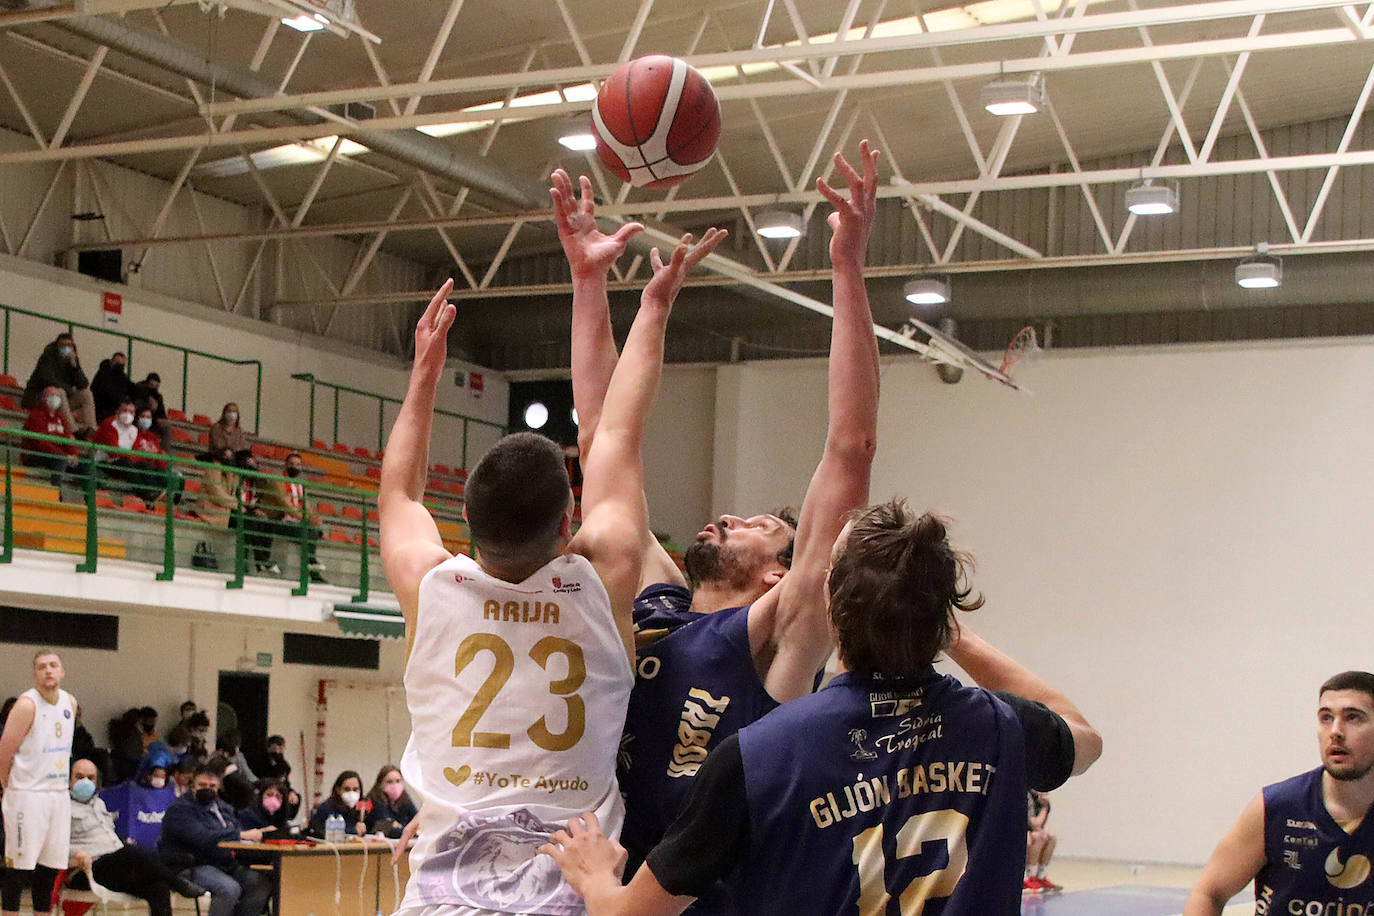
[284, 503]
[110, 386]
[137, 805]
[257, 527]
[392, 807]
[232, 744]
[147, 478]
[56, 457]
[226, 433]
[83, 746]
[98, 852]
[235, 788]
[182, 774]
[346, 798]
[186, 711]
[126, 745]
[275, 808]
[1040, 843]
[146, 394]
[198, 724]
[194, 827]
[177, 742]
[59, 367]
[273, 764]
[147, 724]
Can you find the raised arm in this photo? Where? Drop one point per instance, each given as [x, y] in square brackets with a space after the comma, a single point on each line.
[1238, 858]
[411, 545]
[590, 255]
[787, 627]
[996, 670]
[614, 513]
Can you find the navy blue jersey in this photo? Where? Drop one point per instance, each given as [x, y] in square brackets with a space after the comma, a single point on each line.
[1311, 864]
[881, 796]
[695, 685]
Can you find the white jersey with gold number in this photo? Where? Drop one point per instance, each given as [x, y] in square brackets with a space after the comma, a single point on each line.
[44, 756]
[517, 696]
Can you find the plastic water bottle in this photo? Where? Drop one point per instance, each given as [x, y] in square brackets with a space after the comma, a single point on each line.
[334, 828]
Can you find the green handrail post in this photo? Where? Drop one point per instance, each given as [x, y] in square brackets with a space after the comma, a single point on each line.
[169, 538]
[257, 405]
[7, 342]
[364, 580]
[7, 554]
[186, 374]
[465, 442]
[240, 559]
[302, 529]
[381, 421]
[336, 416]
[92, 531]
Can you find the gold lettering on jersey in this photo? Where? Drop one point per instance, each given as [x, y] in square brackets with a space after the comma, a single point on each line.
[521, 611]
[866, 793]
[701, 714]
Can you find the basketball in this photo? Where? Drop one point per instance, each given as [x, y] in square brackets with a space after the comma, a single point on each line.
[657, 122]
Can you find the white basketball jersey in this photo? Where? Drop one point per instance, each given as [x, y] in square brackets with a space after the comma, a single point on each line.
[44, 756]
[517, 695]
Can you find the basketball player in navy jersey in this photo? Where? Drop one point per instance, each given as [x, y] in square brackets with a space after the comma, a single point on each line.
[1308, 841]
[751, 632]
[894, 789]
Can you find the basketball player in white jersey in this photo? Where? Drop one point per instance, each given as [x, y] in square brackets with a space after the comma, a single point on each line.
[35, 754]
[520, 661]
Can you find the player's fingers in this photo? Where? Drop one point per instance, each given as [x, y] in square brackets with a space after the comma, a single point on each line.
[553, 852]
[708, 243]
[588, 198]
[628, 231]
[836, 199]
[446, 317]
[432, 311]
[593, 825]
[655, 260]
[847, 170]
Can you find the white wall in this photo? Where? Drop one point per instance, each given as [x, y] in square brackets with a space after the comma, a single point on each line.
[678, 451]
[1177, 538]
[71, 297]
[164, 660]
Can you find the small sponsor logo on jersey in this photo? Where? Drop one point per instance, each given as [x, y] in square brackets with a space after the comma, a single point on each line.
[562, 587]
[1300, 825]
[892, 707]
[1290, 858]
[858, 736]
[459, 577]
[66, 713]
[1353, 872]
[701, 714]
[150, 817]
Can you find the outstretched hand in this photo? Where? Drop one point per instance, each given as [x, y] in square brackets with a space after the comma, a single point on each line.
[431, 333]
[668, 278]
[590, 251]
[585, 854]
[852, 221]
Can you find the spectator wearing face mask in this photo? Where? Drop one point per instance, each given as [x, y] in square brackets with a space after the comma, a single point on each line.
[97, 851]
[226, 433]
[258, 527]
[192, 830]
[198, 724]
[284, 503]
[392, 807]
[182, 774]
[274, 764]
[110, 386]
[47, 418]
[147, 393]
[59, 367]
[274, 808]
[345, 799]
[146, 477]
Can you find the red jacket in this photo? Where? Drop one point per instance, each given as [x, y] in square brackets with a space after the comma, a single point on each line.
[43, 420]
[144, 441]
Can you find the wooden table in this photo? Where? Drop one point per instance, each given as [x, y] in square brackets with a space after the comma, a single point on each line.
[306, 877]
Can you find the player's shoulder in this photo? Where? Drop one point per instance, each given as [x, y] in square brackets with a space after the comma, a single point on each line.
[1294, 788]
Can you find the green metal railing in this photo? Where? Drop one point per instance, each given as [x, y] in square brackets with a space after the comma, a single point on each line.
[161, 538]
[129, 339]
[382, 400]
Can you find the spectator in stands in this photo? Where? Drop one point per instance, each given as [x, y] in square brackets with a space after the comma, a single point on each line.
[83, 746]
[110, 386]
[178, 742]
[49, 419]
[226, 433]
[147, 478]
[284, 502]
[232, 744]
[97, 851]
[346, 798]
[126, 744]
[192, 830]
[273, 809]
[146, 394]
[147, 726]
[182, 774]
[198, 724]
[257, 527]
[392, 807]
[186, 711]
[216, 505]
[59, 367]
[1040, 843]
[235, 787]
[273, 764]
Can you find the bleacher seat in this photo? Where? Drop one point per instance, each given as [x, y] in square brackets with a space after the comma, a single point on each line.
[181, 435]
[337, 536]
[353, 512]
[373, 516]
[104, 501]
[319, 445]
[201, 419]
[374, 473]
[362, 451]
[326, 509]
[174, 414]
[192, 485]
[9, 381]
[442, 469]
[341, 448]
[456, 488]
[203, 439]
[133, 504]
[7, 402]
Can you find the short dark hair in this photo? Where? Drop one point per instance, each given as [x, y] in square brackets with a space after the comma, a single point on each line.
[212, 767]
[147, 712]
[516, 497]
[293, 455]
[197, 719]
[341, 779]
[123, 401]
[893, 589]
[1362, 681]
[153, 377]
[788, 515]
[276, 739]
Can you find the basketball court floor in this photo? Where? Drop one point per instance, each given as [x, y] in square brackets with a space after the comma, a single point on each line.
[1096, 888]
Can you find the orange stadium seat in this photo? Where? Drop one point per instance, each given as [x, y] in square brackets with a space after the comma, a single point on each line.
[373, 473]
[203, 439]
[9, 381]
[362, 451]
[373, 515]
[337, 536]
[180, 435]
[7, 403]
[340, 448]
[319, 444]
[174, 414]
[326, 509]
[201, 419]
[353, 512]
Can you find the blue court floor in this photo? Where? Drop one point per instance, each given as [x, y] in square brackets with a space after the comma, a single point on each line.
[1131, 900]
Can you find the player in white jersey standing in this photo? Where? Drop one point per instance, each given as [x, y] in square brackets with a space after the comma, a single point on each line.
[521, 656]
[35, 756]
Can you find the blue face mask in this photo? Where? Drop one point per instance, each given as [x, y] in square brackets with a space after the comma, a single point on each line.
[83, 790]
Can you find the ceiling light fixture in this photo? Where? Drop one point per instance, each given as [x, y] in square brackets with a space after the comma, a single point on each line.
[1145, 199]
[1013, 97]
[779, 224]
[536, 415]
[576, 134]
[927, 291]
[1261, 271]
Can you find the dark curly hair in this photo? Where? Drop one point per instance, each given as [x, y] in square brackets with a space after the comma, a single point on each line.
[893, 589]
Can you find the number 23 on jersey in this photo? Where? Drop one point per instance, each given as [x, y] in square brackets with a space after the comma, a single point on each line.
[477, 645]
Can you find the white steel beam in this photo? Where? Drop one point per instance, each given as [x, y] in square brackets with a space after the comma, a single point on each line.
[79, 96]
[42, 206]
[23, 109]
[435, 49]
[1351, 126]
[1227, 96]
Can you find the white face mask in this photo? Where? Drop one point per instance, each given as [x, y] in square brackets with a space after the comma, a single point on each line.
[126, 418]
[230, 417]
[145, 422]
[53, 401]
[350, 798]
[157, 782]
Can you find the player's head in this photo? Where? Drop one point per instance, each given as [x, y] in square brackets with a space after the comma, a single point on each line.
[894, 584]
[1345, 725]
[743, 554]
[47, 670]
[518, 500]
